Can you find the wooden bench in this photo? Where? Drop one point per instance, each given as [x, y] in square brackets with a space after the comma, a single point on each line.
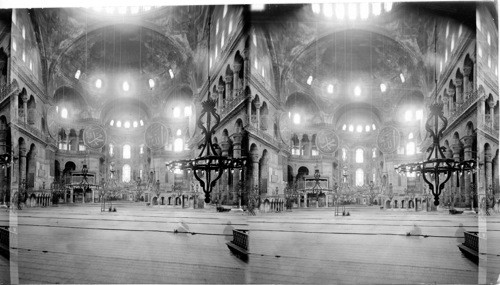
[455, 212]
[5, 242]
[470, 247]
[222, 209]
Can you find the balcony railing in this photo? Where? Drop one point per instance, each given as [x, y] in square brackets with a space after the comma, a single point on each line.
[6, 90]
[490, 130]
[229, 104]
[459, 110]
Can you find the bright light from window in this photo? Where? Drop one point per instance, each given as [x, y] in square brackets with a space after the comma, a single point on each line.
[383, 87]
[410, 148]
[98, 83]
[263, 72]
[339, 11]
[460, 30]
[151, 83]
[171, 72]
[452, 42]
[410, 136]
[177, 112]
[230, 28]
[77, 74]
[353, 11]
[367, 128]
[187, 111]
[478, 20]
[328, 10]
[24, 33]
[141, 122]
[110, 150]
[445, 56]
[122, 10]
[360, 177]
[402, 77]
[14, 17]
[447, 30]
[489, 61]
[364, 10]
[64, 113]
[178, 144]
[126, 151]
[256, 64]
[210, 61]
[344, 154]
[31, 65]
[330, 88]
[112, 122]
[178, 133]
[351, 128]
[376, 9]
[309, 80]
[296, 118]
[359, 155]
[14, 46]
[257, 7]
[479, 52]
[126, 173]
[217, 27]
[141, 149]
[373, 127]
[419, 114]
[357, 91]
[374, 152]
[135, 124]
[24, 56]
[222, 41]
[388, 6]
[119, 124]
[440, 66]
[408, 115]
[254, 39]
[125, 86]
[344, 127]
[126, 125]
[224, 12]
[359, 128]
[316, 8]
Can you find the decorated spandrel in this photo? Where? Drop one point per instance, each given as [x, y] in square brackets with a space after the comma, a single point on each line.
[388, 139]
[156, 135]
[53, 125]
[94, 136]
[285, 130]
[327, 141]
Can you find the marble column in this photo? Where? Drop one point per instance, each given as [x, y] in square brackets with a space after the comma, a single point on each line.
[451, 94]
[71, 196]
[482, 110]
[257, 108]
[488, 169]
[491, 105]
[236, 79]
[246, 67]
[456, 156]
[249, 110]
[78, 141]
[459, 90]
[446, 106]
[237, 138]
[22, 163]
[25, 107]
[67, 138]
[467, 156]
[229, 89]
[255, 170]
[220, 91]
[467, 91]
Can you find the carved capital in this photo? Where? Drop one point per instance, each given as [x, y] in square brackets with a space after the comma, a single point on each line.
[228, 78]
[236, 67]
[467, 70]
[468, 140]
[459, 82]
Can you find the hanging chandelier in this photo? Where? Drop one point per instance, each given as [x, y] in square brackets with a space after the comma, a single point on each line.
[209, 166]
[437, 169]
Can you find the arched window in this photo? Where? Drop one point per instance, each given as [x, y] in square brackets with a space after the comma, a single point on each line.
[410, 136]
[360, 177]
[141, 149]
[126, 173]
[374, 175]
[64, 113]
[359, 155]
[410, 148]
[374, 153]
[126, 151]
[177, 112]
[111, 150]
[344, 154]
[178, 144]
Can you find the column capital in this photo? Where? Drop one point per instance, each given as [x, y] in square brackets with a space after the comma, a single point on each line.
[257, 104]
[467, 70]
[254, 157]
[228, 78]
[456, 148]
[246, 54]
[236, 67]
[24, 97]
[468, 140]
[220, 88]
[451, 92]
[459, 82]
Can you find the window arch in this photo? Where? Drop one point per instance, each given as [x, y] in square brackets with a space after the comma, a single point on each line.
[360, 177]
[359, 155]
[126, 151]
[111, 150]
[410, 136]
[126, 173]
[178, 144]
[374, 152]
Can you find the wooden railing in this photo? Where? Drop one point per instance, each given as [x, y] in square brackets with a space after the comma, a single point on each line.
[240, 238]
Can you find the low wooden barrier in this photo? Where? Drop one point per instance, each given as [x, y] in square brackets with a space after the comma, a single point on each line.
[470, 247]
[239, 244]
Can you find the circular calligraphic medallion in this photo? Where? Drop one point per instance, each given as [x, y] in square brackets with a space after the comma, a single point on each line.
[156, 135]
[94, 136]
[53, 122]
[388, 139]
[285, 129]
[327, 141]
